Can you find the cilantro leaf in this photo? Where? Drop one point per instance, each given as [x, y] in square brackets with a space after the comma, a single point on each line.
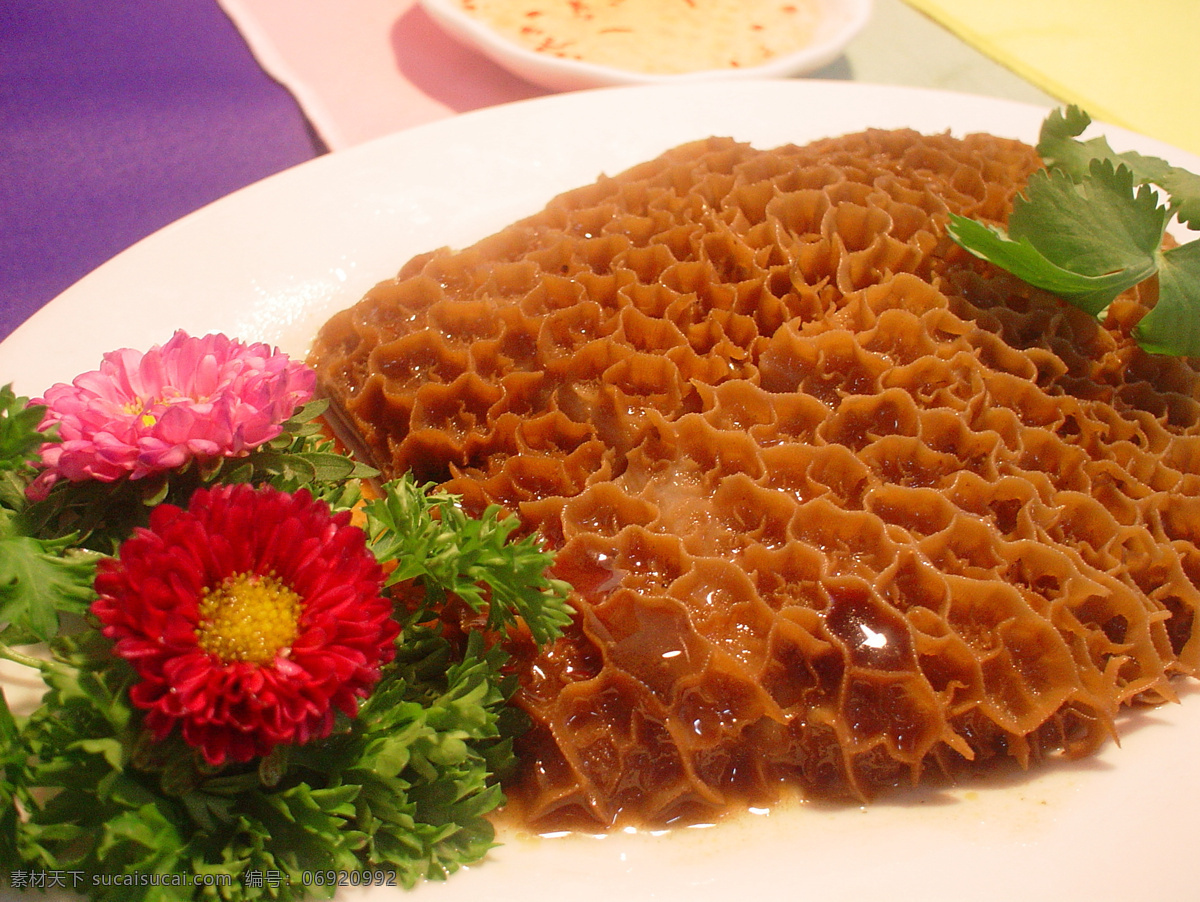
[1085, 242]
[1060, 150]
[1090, 226]
[1172, 325]
[1023, 259]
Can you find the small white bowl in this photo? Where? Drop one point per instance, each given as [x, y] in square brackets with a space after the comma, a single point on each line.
[840, 21]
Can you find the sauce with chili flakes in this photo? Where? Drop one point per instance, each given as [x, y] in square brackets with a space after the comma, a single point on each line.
[657, 36]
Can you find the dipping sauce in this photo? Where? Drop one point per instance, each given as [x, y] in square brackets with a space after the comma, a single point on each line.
[658, 36]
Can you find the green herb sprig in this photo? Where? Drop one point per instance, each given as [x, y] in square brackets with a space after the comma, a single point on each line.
[401, 791]
[1091, 225]
[41, 578]
[430, 539]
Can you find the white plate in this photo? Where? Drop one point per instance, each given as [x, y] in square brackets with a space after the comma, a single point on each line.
[839, 22]
[273, 261]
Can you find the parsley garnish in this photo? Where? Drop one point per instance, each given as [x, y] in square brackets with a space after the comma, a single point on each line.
[41, 578]
[1090, 226]
[19, 436]
[433, 541]
[403, 789]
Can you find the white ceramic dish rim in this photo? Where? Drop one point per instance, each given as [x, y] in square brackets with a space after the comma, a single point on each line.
[841, 21]
[273, 261]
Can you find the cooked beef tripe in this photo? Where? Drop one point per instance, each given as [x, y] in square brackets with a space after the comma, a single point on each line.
[841, 504]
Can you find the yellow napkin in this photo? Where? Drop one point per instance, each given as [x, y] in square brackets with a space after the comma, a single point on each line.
[1129, 62]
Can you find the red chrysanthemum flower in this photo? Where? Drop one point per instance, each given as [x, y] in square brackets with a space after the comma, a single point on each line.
[251, 617]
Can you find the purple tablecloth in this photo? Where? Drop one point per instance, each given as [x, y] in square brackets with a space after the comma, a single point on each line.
[116, 118]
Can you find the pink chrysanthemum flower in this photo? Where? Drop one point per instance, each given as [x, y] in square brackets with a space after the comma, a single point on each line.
[191, 398]
[251, 617]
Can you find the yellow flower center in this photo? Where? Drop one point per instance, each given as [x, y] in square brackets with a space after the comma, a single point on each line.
[248, 618]
[138, 407]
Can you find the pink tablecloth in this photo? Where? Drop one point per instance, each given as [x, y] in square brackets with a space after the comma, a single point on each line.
[383, 67]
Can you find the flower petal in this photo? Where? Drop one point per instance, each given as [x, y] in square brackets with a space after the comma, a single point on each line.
[233, 710]
[141, 414]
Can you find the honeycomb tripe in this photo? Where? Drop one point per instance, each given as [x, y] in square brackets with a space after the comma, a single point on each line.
[841, 504]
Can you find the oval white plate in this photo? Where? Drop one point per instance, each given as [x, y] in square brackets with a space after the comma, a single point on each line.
[840, 21]
[273, 261]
